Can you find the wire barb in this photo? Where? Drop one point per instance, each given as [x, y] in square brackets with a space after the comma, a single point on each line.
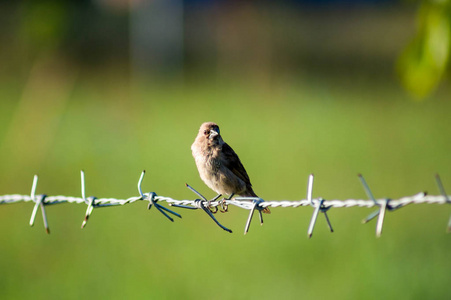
[160, 208]
[140, 181]
[256, 205]
[205, 205]
[442, 191]
[39, 203]
[201, 204]
[153, 201]
[32, 195]
[384, 205]
[89, 210]
[319, 207]
[90, 200]
[380, 213]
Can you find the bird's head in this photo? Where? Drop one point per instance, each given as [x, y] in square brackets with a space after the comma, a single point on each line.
[210, 132]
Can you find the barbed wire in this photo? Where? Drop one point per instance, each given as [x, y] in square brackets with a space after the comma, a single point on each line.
[210, 207]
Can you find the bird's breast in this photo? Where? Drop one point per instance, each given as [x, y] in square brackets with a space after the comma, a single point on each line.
[207, 162]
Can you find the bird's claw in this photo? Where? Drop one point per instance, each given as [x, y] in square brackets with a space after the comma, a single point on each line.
[213, 210]
[223, 206]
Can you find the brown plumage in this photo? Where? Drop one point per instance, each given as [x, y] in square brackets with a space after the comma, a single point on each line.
[218, 165]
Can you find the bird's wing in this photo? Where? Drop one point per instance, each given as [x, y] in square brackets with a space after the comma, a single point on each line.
[233, 163]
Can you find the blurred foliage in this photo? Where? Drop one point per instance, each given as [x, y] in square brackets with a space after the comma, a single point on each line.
[43, 24]
[92, 33]
[424, 63]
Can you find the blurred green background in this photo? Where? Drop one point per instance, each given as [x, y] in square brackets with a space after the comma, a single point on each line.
[115, 87]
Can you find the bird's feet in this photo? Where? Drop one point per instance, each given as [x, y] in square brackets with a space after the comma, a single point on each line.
[223, 206]
[212, 209]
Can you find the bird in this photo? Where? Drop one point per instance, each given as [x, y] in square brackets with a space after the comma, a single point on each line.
[219, 166]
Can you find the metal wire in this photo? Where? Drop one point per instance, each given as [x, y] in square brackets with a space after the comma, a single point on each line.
[420, 198]
[211, 206]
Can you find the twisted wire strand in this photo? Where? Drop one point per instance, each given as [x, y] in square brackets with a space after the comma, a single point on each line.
[210, 207]
[404, 201]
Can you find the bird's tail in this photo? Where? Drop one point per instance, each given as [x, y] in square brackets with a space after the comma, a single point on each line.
[266, 210]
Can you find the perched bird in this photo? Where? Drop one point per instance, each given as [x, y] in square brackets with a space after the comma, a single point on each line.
[218, 165]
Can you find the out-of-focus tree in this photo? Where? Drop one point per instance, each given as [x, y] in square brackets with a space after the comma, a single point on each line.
[423, 64]
[43, 26]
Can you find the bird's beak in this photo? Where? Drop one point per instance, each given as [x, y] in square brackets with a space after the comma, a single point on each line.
[213, 133]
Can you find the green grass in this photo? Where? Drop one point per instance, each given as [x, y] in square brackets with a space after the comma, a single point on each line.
[335, 128]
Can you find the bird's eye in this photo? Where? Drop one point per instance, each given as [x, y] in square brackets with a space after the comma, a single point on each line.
[205, 132]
